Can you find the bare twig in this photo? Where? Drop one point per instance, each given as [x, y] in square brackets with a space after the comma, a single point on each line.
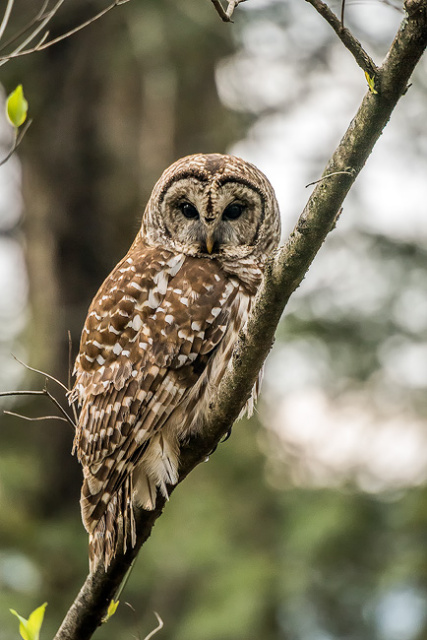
[61, 409]
[347, 172]
[18, 51]
[220, 10]
[40, 16]
[21, 51]
[43, 373]
[6, 17]
[159, 626]
[351, 43]
[39, 419]
[5, 394]
[226, 14]
[19, 134]
[43, 392]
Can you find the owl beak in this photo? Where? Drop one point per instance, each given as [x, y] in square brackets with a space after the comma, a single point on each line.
[210, 242]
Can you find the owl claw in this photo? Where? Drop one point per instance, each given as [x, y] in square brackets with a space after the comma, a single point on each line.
[227, 435]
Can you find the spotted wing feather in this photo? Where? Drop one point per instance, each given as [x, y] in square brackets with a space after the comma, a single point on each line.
[150, 332]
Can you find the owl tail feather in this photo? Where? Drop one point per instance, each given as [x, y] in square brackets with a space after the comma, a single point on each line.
[159, 468]
[116, 528]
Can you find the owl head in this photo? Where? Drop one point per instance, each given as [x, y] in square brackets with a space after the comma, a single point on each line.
[213, 205]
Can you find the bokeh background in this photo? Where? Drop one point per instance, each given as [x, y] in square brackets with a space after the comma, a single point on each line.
[310, 523]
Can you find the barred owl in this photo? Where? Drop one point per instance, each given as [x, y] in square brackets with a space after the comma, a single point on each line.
[159, 335]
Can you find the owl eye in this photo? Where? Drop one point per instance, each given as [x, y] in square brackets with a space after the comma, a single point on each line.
[233, 211]
[189, 211]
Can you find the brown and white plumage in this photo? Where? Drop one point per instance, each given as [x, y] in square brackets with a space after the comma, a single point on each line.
[160, 332]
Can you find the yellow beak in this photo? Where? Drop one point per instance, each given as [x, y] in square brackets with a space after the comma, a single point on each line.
[210, 243]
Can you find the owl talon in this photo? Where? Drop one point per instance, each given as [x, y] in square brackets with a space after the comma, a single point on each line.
[227, 435]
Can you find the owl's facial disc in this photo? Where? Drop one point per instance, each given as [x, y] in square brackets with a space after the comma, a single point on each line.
[210, 218]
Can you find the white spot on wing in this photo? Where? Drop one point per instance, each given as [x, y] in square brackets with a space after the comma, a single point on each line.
[136, 323]
[153, 298]
[175, 264]
[136, 286]
[161, 280]
[111, 329]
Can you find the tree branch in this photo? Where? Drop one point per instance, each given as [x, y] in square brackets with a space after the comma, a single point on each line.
[351, 43]
[283, 275]
[226, 14]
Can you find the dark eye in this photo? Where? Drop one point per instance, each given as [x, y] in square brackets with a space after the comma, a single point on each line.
[189, 211]
[233, 211]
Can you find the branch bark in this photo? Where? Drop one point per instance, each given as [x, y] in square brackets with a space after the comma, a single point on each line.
[283, 275]
[349, 41]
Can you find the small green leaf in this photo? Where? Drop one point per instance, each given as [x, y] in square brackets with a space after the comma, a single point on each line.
[112, 608]
[30, 629]
[16, 107]
[22, 625]
[371, 83]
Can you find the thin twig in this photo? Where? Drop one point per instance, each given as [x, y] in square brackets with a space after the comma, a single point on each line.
[232, 4]
[349, 172]
[6, 17]
[351, 43]
[226, 14]
[44, 392]
[40, 16]
[43, 373]
[19, 415]
[61, 409]
[159, 626]
[4, 394]
[19, 134]
[20, 51]
[125, 580]
[220, 10]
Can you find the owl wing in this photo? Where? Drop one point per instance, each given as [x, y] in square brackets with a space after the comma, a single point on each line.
[149, 334]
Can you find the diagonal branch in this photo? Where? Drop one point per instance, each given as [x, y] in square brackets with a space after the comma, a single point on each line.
[283, 275]
[351, 43]
[226, 14]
